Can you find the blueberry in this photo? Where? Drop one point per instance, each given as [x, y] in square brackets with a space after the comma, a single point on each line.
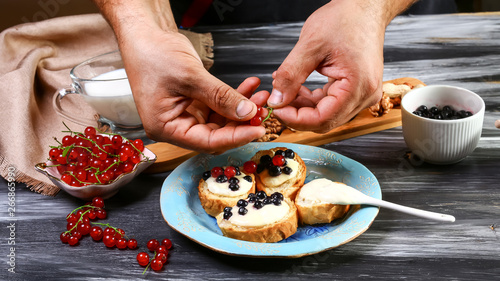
[250, 195]
[227, 209]
[289, 154]
[422, 108]
[234, 186]
[261, 195]
[277, 195]
[258, 204]
[279, 152]
[248, 178]
[287, 170]
[221, 179]
[267, 201]
[242, 203]
[468, 114]
[276, 201]
[274, 171]
[260, 168]
[242, 211]
[264, 159]
[438, 116]
[227, 215]
[206, 175]
[434, 110]
[252, 199]
[417, 112]
[447, 108]
[233, 180]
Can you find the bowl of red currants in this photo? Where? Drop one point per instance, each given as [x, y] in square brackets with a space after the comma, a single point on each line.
[442, 124]
[92, 163]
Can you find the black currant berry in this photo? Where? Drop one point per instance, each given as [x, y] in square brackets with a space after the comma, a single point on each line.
[276, 201]
[258, 205]
[289, 154]
[264, 159]
[234, 186]
[267, 201]
[233, 180]
[277, 195]
[227, 215]
[242, 203]
[287, 170]
[227, 209]
[242, 211]
[248, 178]
[261, 194]
[260, 168]
[279, 152]
[206, 175]
[274, 171]
[221, 179]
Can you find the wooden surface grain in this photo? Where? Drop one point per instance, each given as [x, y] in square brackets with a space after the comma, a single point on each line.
[459, 50]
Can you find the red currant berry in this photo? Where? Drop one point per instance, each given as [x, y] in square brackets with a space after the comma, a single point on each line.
[101, 214]
[128, 167]
[161, 257]
[98, 202]
[156, 265]
[217, 171]
[116, 141]
[67, 140]
[83, 228]
[256, 121]
[230, 172]
[64, 237]
[250, 167]
[73, 240]
[121, 243]
[71, 218]
[167, 243]
[135, 159]
[67, 178]
[99, 140]
[132, 244]
[92, 215]
[153, 244]
[96, 233]
[143, 258]
[90, 132]
[54, 154]
[119, 233]
[139, 144]
[109, 240]
[162, 249]
[70, 225]
[109, 231]
[77, 234]
[279, 160]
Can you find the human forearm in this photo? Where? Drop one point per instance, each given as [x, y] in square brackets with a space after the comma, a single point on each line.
[385, 10]
[137, 15]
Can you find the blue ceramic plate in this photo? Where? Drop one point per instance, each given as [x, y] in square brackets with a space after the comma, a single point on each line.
[182, 210]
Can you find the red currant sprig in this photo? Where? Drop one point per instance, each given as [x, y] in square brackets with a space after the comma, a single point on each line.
[78, 221]
[91, 158]
[160, 254]
[257, 120]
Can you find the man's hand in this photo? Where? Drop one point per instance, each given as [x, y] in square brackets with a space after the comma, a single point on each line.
[178, 100]
[343, 41]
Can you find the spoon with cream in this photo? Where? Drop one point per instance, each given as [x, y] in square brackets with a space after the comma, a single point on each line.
[321, 191]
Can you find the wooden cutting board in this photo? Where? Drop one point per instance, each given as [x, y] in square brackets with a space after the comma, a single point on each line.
[170, 156]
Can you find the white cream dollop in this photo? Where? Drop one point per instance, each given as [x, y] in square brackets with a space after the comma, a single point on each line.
[268, 214]
[223, 188]
[270, 181]
[323, 191]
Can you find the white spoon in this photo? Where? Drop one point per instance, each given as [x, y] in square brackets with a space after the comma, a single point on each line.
[339, 193]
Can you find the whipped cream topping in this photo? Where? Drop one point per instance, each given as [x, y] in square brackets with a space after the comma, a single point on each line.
[324, 191]
[223, 188]
[268, 214]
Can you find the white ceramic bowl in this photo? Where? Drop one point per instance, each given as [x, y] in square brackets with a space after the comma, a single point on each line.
[442, 141]
[105, 191]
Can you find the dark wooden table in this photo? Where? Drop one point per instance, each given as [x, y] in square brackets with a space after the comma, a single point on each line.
[459, 50]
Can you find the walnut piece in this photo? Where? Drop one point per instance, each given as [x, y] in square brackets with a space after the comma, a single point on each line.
[273, 129]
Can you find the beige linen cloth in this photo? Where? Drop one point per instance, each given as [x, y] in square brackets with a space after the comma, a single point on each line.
[35, 61]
